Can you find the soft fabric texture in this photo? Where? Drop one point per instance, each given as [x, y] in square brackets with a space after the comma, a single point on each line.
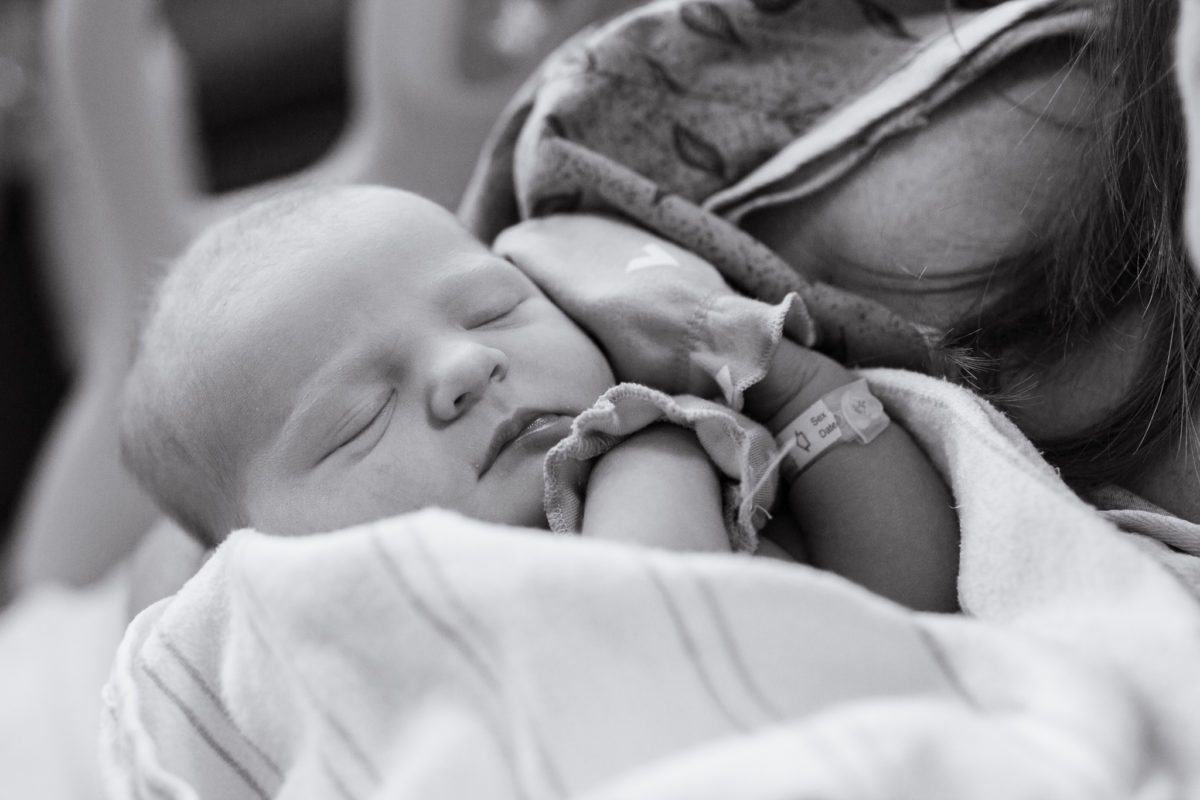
[663, 316]
[681, 114]
[742, 450]
[56, 649]
[437, 657]
[731, 341]
[1173, 541]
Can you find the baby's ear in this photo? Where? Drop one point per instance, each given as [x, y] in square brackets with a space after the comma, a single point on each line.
[1187, 54]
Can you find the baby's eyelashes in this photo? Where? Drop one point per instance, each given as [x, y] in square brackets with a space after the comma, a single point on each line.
[361, 432]
[495, 315]
[495, 308]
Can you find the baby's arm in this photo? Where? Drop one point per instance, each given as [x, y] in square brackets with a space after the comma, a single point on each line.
[657, 488]
[878, 514]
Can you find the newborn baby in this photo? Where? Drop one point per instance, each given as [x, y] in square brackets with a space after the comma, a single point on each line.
[335, 356]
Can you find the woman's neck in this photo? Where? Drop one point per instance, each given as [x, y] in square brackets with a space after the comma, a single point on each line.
[1077, 389]
[1172, 481]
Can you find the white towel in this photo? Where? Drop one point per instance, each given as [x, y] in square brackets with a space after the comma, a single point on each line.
[432, 656]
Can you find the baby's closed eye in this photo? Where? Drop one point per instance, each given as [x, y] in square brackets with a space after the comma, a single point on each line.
[495, 311]
[362, 429]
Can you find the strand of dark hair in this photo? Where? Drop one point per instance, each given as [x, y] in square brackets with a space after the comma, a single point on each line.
[1122, 246]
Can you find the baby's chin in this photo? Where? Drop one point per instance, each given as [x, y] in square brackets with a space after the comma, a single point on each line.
[514, 490]
[529, 511]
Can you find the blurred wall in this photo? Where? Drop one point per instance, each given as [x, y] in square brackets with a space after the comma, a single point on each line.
[32, 378]
[270, 82]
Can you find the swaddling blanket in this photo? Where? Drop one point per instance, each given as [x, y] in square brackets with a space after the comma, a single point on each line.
[683, 115]
[430, 656]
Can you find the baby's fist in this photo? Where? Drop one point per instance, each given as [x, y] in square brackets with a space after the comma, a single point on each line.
[637, 294]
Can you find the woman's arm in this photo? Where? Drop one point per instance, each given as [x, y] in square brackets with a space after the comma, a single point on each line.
[657, 488]
[878, 514]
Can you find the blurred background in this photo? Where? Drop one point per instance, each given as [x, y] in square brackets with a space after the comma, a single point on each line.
[267, 82]
[32, 372]
[127, 125]
[266, 105]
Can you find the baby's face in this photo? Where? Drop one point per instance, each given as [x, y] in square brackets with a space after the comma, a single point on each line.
[400, 365]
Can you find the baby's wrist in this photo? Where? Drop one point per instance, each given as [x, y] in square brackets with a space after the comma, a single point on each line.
[796, 379]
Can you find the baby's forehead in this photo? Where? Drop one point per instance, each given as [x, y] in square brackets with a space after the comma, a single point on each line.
[301, 217]
[232, 275]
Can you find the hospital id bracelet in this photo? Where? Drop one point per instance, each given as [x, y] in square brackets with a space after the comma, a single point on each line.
[849, 413]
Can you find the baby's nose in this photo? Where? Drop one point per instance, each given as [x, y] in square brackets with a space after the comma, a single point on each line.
[462, 374]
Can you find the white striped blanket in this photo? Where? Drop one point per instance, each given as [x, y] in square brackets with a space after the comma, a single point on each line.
[430, 656]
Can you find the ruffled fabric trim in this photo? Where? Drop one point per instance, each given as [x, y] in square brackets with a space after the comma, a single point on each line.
[742, 450]
[732, 340]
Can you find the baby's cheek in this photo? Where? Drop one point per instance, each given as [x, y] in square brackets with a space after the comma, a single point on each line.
[400, 485]
[585, 366]
[328, 502]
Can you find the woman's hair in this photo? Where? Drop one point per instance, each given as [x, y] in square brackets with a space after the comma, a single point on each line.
[1122, 248]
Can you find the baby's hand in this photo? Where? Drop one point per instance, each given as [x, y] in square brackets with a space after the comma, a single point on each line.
[637, 294]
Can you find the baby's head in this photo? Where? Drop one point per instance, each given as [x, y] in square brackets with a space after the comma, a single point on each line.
[334, 356]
